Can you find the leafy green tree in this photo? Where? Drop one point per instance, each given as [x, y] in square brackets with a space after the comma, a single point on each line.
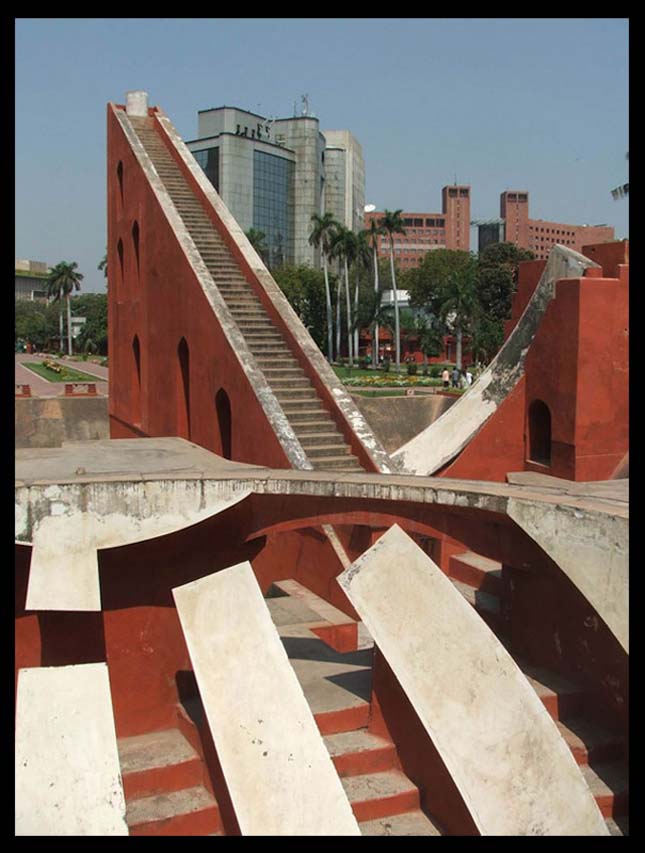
[304, 287]
[61, 282]
[324, 228]
[497, 278]
[93, 336]
[35, 322]
[444, 285]
[392, 223]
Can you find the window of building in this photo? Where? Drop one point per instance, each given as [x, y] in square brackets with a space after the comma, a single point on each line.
[418, 223]
[224, 422]
[463, 193]
[522, 197]
[452, 193]
[273, 205]
[119, 174]
[208, 159]
[135, 242]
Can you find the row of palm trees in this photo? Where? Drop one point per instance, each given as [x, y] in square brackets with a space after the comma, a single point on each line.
[359, 250]
[62, 280]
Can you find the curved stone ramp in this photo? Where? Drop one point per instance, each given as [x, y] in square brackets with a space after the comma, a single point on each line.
[513, 770]
[68, 778]
[439, 443]
[279, 774]
[140, 481]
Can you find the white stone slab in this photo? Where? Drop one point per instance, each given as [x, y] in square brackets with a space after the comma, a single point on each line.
[277, 768]
[68, 779]
[64, 570]
[504, 753]
[591, 548]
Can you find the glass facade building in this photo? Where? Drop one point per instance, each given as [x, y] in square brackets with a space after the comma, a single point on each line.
[273, 205]
[208, 159]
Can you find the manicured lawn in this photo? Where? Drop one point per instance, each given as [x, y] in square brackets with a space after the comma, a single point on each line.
[66, 375]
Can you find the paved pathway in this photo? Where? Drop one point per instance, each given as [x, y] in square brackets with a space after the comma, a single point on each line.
[42, 388]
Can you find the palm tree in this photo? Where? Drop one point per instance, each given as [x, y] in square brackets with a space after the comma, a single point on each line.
[361, 262]
[393, 224]
[458, 300]
[103, 265]
[324, 228]
[61, 281]
[375, 231]
[344, 247]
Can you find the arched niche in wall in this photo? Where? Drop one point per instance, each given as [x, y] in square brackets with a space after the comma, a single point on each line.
[120, 273]
[135, 244]
[136, 380]
[539, 433]
[120, 198]
[183, 389]
[224, 422]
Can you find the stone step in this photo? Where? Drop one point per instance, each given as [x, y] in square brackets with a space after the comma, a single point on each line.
[608, 783]
[377, 795]
[476, 571]
[358, 753]
[295, 393]
[290, 382]
[319, 452]
[336, 463]
[158, 762]
[488, 606]
[318, 439]
[590, 742]
[278, 372]
[191, 811]
[409, 823]
[561, 698]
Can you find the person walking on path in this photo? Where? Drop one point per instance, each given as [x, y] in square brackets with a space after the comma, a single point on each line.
[446, 377]
[455, 377]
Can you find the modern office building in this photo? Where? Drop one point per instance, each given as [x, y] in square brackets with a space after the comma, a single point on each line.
[344, 194]
[425, 232]
[538, 235]
[31, 280]
[271, 174]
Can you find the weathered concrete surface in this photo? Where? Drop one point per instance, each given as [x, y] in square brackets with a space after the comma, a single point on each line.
[279, 774]
[68, 780]
[397, 420]
[51, 422]
[503, 750]
[65, 536]
[140, 481]
[593, 555]
[443, 440]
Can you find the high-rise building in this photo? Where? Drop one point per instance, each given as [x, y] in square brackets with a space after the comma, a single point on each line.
[425, 232]
[271, 174]
[539, 235]
[344, 178]
[31, 280]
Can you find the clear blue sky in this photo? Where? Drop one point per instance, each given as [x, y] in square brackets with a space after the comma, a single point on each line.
[535, 104]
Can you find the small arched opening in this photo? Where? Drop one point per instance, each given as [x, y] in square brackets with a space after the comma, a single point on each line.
[135, 242]
[120, 273]
[183, 389]
[136, 383]
[223, 409]
[119, 175]
[539, 428]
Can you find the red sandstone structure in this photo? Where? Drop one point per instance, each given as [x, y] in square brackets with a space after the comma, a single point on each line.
[232, 444]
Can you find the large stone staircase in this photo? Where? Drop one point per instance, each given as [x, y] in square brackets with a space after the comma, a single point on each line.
[168, 789]
[324, 445]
